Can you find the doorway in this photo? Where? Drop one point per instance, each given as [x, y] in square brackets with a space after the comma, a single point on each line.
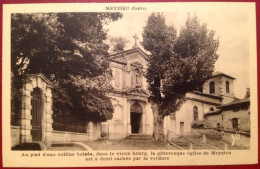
[181, 128]
[37, 107]
[136, 122]
[136, 113]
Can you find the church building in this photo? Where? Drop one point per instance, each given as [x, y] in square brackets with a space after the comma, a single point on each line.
[132, 111]
[216, 91]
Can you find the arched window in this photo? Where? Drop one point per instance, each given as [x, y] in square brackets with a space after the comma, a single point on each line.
[227, 86]
[211, 109]
[195, 113]
[212, 87]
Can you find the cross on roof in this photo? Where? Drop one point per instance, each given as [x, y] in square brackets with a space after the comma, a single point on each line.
[135, 37]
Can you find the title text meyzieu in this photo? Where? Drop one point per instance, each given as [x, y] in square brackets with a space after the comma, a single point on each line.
[125, 8]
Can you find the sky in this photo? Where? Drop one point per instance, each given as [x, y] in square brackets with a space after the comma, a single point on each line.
[231, 26]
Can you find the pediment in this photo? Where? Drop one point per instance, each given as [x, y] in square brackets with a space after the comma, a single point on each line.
[132, 55]
[138, 91]
[137, 64]
[43, 78]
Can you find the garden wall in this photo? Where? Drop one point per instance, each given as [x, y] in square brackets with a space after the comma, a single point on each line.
[242, 139]
[93, 133]
[65, 136]
[15, 135]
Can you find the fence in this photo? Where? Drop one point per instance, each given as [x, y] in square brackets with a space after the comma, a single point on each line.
[79, 128]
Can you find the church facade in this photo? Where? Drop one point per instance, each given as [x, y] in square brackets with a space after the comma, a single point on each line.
[132, 111]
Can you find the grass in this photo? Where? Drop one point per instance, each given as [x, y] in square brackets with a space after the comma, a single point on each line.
[219, 143]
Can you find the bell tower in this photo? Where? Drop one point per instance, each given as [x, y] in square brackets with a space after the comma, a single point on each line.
[221, 85]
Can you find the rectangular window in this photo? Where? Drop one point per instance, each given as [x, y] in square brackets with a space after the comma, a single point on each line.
[235, 123]
[181, 127]
[218, 125]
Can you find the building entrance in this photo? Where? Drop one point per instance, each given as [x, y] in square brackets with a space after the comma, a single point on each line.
[136, 112]
[136, 122]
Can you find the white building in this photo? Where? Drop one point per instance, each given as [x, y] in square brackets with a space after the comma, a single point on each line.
[216, 91]
[133, 112]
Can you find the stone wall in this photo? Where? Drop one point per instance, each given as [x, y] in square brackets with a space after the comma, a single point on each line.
[65, 136]
[243, 117]
[243, 140]
[93, 133]
[15, 135]
[61, 136]
[96, 131]
[214, 120]
[112, 130]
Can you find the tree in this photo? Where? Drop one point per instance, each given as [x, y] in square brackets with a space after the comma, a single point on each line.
[117, 44]
[69, 49]
[176, 64]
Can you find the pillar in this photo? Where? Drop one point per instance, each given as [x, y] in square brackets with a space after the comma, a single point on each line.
[90, 130]
[149, 119]
[144, 119]
[191, 146]
[25, 120]
[204, 138]
[34, 81]
[48, 120]
[129, 129]
[124, 120]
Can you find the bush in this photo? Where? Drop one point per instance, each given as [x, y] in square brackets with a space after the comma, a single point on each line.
[200, 124]
[214, 135]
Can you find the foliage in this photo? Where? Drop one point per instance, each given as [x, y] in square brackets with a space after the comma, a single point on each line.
[214, 135]
[201, 124]
[117, 44]
[177, 64]
[69, 49]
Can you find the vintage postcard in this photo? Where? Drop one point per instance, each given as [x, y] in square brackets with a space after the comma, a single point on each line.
[129, 84]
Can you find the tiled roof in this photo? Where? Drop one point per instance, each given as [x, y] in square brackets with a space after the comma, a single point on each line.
[215, 112]
[229, 106]
[236, 102]
[207, 95]
[217, 73]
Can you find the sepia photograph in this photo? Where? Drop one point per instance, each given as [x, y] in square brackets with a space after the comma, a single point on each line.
[125, 82]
